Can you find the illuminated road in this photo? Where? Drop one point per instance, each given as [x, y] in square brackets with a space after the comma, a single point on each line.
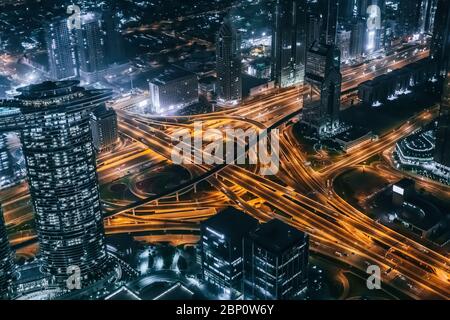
[297, 195]
[335, 223]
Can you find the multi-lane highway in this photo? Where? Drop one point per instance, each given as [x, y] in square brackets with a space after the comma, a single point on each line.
[298, 195]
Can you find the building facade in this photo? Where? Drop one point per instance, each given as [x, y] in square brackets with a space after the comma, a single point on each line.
[6, 260]
[324, 78]
[289, 42]
[276, 262]
[221, 249]
[57, 144]
[61, 50]
[409, 15]
[440, 42]
[442, 152]
[228, 65]
[173, 89]
[105, 134]
[91, 47]
[329, 10]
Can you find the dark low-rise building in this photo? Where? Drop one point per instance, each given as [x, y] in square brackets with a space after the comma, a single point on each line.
[388, 86]
[104, 128]
[174, 88]
[276, 262]
[221, 249]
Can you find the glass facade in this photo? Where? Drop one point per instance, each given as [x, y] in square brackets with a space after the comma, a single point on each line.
[289, 42]
[228, 62]
[60, 160]
[276, 262]
[6, 259]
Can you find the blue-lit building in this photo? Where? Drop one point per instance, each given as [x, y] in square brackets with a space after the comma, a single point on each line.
[6, 166]
[91, 47]
[221, 249]
[275, 262]
[61, 50]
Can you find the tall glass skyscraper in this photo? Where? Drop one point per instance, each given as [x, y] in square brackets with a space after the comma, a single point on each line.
[59, 154]
[442, 151]
[289, 42]
[6, 260]
[91, 45]
[329, 10]
[61, 50]
[440, 43]
[228, 64]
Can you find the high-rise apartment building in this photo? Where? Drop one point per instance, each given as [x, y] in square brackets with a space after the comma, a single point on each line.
[289, 42]
[6, 260]
[228, 64]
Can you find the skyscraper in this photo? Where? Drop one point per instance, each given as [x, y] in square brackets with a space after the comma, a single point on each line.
[360, 7]
[373, 13]
[6, 260]
[346, 9]
[442, 151]
[90, 39]
[408, 14]
[289, 42]
[61, 50]
[59, 154]
[427, 15]
[276, 262]
[358, 35]
[6, 169]
[313, 30]
[329, 10]
[228, 64]
[104, 128]
[440, 43]
[324, 76]
[114, 43]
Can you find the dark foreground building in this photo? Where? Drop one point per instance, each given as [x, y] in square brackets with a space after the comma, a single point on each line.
[221, 247]
[54, 123]
[276, 262]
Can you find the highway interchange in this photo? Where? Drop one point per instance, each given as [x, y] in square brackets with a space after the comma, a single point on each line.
[297, 195]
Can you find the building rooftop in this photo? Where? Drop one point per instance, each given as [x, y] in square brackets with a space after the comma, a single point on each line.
[406, 183]
[123, 293]
[277, 236]
[231, 222]
[352, 134]
[170, 74]
[175, 292]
